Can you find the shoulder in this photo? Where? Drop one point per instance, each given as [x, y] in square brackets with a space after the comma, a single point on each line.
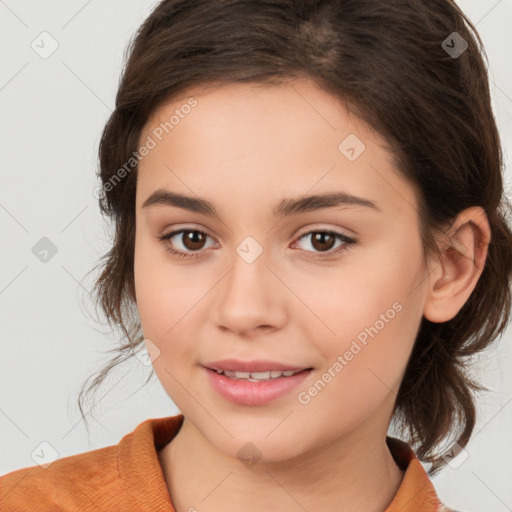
[126, 476]
[72, 482]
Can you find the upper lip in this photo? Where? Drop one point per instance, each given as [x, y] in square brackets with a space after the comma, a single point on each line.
[259, 365]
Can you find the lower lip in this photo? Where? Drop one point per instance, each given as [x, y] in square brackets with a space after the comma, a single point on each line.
[244, 392]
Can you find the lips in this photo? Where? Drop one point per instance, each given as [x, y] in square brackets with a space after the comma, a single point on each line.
[254, 382]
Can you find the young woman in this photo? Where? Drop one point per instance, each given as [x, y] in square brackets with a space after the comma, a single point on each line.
[311, 240]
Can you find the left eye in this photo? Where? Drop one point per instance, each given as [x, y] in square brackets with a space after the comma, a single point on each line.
[193, 240]
[321, 239]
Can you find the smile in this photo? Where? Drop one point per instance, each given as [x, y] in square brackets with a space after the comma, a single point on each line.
[251, 383]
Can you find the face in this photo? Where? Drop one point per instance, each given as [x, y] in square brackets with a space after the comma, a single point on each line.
[262, 280]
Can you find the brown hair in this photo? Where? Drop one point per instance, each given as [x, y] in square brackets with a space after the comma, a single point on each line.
[386, 61]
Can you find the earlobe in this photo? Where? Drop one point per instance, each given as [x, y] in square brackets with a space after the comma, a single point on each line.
[464, 251]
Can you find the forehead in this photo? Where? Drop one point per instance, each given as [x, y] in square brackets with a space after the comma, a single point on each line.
[291, 138]
[300, 106]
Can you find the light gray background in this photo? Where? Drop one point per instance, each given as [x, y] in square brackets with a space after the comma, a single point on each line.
[52, 114]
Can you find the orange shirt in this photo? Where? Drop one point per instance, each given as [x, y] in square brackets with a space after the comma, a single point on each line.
[128, 477]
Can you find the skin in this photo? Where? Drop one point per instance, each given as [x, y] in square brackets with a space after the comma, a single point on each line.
[245, 147]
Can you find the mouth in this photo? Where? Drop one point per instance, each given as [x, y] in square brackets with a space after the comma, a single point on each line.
[254, 383]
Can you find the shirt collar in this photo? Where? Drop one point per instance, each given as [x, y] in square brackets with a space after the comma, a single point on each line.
[139, 465]
[140, 468]
[416, 492]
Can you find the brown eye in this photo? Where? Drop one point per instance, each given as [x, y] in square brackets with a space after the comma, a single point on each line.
[193, 239]
[187, 243]
[324, 241]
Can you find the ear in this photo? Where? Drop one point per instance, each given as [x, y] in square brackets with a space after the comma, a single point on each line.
[453, 279]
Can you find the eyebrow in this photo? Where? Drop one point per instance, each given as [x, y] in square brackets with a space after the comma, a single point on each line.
[285, 208]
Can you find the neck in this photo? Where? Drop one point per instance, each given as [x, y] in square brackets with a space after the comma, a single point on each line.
[352, 473]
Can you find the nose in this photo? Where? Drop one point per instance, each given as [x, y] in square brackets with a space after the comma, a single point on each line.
[250, 297]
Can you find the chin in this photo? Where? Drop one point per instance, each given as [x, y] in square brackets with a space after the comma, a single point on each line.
[257, 439]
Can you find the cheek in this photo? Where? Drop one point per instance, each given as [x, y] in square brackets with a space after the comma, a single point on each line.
[167, 300]
[364, 296]
[166, 292]
[375, 311]
[362, 366]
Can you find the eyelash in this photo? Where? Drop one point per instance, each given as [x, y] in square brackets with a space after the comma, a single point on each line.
[181, 254]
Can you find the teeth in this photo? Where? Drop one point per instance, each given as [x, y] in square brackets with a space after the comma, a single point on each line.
[237, 375]
[258, 376]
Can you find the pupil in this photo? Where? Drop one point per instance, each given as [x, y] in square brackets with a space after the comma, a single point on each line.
[320, 237]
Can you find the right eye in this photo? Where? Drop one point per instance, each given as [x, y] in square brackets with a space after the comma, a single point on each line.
[190, 239]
